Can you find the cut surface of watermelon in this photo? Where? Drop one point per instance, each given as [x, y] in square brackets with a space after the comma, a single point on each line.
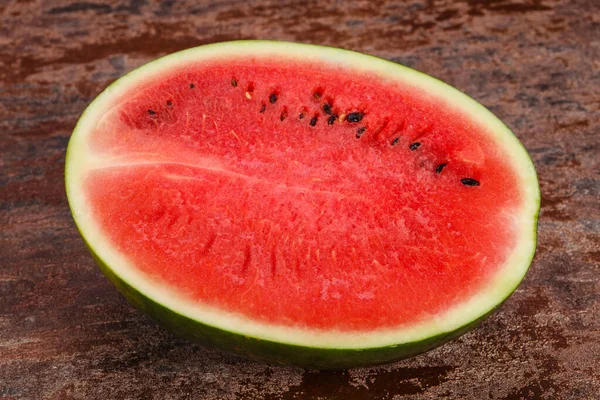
[303, 196]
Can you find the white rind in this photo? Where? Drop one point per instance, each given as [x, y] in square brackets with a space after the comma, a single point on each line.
[503, 284]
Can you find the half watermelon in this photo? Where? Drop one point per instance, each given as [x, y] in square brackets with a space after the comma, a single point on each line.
[302, 204]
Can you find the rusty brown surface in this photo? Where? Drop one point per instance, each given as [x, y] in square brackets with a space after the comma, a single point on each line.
[65, 332]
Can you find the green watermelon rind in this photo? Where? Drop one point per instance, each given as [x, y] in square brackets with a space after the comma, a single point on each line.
[276, 352]
[294, 351]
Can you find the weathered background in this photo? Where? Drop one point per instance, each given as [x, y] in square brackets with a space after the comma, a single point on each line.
[65, 332]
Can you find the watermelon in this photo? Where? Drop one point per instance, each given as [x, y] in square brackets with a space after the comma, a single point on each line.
[302, 204]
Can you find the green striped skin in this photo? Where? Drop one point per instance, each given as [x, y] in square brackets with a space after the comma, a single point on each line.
[273, 352]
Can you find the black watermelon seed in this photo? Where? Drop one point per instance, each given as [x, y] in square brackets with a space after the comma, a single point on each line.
[360, 131]
[440, 167]
[313, 121]
[192, 85]
[469, 182]
[414, 146]
[283, 116]
[151, 112]
[395, 141]
[355, 117]
[327, 109]
[273, 98]
[263, 108]
[301, 116]
[331, 119]
[169, 103]
[233, 82]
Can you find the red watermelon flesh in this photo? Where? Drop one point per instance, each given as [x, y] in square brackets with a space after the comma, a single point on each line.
[303, 194]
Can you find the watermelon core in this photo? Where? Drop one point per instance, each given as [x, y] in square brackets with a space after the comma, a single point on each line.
[316, 193]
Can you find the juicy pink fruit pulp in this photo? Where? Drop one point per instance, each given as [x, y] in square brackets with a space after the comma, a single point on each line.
[218, 184]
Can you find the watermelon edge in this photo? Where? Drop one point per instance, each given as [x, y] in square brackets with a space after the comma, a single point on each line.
[276, 352]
